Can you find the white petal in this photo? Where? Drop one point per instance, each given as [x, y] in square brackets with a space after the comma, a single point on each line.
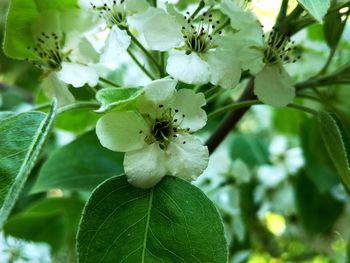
[157, 95]
[145, 167]
[117, 42]
[190, 105]
[78, 75]
[225, 69]
[161, 30]
[188, 158]
[136, 5]
[53, 87]
[122, 131]
[190, 69]
[274, 86]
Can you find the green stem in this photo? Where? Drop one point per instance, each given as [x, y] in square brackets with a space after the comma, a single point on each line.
[107, 81]
[302, 108]
[233, 106]
[282, 13]
[310, 97]
[41, 107]
[198, 9]
[213, 96]
[144, 50]
[210, 91]
[134, 58]
[79, 105]
[328, 62]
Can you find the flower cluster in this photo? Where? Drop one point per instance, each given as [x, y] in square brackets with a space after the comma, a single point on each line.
[211, 46]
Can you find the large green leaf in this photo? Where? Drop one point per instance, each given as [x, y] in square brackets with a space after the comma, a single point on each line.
[22, 137]
[317, 8]
[172, 222]
[21, 15]
[333, 137]
[333, 29]
[80, 165]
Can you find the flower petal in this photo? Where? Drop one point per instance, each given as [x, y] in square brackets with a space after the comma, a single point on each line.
[78, 75]
[122, 131]
[189, 105]
[190, 69]
[225, 69]
[53, 87]
[145, 167]
[136, 5]
[188, 158]
[161, 30]
[274, 86]
[117, 42]
[158, 94]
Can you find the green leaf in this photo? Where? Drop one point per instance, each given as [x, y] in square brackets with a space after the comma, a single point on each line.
[38, 227]
[317, 8]
[333, 138]
[172, 222]
[53, 220]
[249, 148]
[21, 15]
[318, 211]
[318, 165]
[333, 29]
[22, 138]
[118, 98]
[80, 165]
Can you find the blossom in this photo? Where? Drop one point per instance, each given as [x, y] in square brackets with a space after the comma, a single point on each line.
[263, 57]
[157, 136]
[55, 50]
[113, 20]
[195, 57]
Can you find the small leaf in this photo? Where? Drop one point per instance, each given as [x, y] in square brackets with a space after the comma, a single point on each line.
[172, 222]
[80, 165]
[22, 137]
[333, 137]
[317, 8]
[118, 98]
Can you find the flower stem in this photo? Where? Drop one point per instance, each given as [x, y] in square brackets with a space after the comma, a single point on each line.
[134, 58]
[231, 119]
[79, 105]
[107, 81]
[302, 108]
[198, 9]
[233, 106]
[144, 50]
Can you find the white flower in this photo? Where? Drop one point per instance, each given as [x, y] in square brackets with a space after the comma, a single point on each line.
[55, 50]
[114, 17]
[157, 135]
[195, 57]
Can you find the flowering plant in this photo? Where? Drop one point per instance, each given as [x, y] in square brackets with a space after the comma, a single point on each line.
[129, 110]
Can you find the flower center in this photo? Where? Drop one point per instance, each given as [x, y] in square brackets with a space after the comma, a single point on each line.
[166, 127]
[48, 51]
[201, 37]
[114, 12]
[279, 48]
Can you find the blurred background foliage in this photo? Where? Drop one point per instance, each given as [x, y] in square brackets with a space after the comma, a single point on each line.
[274, 184]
